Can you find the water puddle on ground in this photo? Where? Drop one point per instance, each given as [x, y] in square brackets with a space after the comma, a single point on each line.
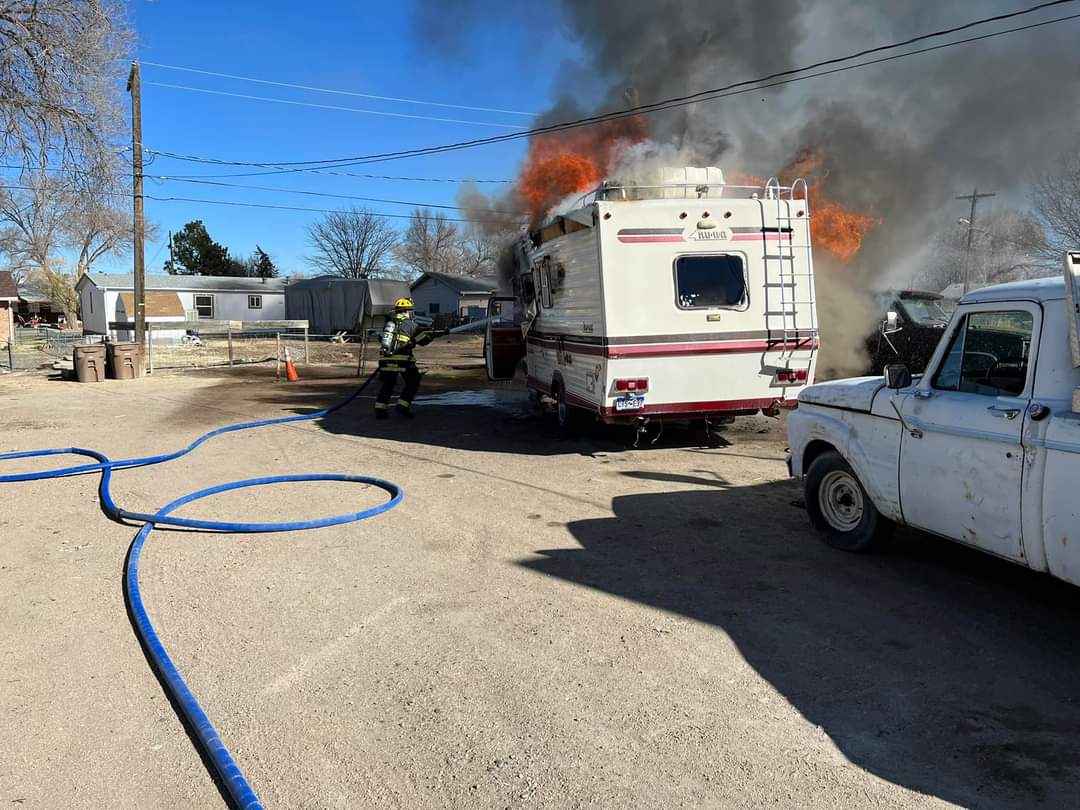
[510, 401]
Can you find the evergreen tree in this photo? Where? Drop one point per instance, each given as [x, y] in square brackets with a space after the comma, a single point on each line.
[264, 266]
[194, 253]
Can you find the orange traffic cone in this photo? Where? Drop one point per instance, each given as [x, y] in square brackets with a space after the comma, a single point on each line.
[290, 369]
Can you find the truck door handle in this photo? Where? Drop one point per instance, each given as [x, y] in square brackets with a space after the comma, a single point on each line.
[920, 393]
[1004, 413]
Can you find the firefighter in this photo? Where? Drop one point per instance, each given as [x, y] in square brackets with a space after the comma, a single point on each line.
[401, 335]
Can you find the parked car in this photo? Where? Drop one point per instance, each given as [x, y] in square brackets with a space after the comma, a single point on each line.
[983, 449]
[909, 330]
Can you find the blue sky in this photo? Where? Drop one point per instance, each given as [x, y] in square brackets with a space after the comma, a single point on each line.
[360, 47]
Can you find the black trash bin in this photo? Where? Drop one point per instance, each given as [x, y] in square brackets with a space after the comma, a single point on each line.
[125, 361]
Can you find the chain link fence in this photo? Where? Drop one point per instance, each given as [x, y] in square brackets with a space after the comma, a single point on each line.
[264, 346]
[43, 349]
[38, 348]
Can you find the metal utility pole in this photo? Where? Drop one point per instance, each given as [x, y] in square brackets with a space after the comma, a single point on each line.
[135, 89]
[974, 197]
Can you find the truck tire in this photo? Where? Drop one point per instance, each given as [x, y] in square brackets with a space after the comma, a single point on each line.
[839, 507]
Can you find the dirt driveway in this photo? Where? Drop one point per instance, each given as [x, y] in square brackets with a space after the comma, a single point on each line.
[543, 622]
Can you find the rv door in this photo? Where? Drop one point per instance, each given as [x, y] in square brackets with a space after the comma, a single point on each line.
[504, 345]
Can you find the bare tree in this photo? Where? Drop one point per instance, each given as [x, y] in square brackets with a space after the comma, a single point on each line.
[1056, 204]
[493, 227]
[59, 289]
[431, 243]
[47, 214]
[353, 244]
[33, 218]
[59, 97]
[100, 223]
[1006, 245]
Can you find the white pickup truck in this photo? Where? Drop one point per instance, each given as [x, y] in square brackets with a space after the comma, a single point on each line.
[983, 449]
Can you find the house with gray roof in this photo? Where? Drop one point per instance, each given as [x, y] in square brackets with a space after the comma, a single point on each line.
[455, 298]
[106, 298]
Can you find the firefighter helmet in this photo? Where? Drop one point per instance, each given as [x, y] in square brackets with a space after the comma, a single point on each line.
[404, 304]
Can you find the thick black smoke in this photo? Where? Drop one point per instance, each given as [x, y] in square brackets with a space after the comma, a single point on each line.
[900, 139]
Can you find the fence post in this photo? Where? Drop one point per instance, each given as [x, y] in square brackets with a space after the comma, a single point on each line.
[363, 345]
[228, 334]
[307, 356]
[277, 360]
[10, 356]
[149, 348]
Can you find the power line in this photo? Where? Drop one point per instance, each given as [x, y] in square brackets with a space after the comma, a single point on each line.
[311, 210]
[336, 92]
[736, 88]
[457, 180]
[331, 106]
[201, 181]
[328, 172]
[328, 194]
[237, 203]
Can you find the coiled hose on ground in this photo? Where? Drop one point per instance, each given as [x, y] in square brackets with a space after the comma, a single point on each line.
[227, 771]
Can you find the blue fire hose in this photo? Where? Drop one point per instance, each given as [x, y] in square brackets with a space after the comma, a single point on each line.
[225, 767]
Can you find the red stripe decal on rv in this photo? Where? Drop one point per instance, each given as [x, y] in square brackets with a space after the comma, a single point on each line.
[636, 239]
[706, 347]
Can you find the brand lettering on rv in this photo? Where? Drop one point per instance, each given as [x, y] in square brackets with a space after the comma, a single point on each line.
[709, 236]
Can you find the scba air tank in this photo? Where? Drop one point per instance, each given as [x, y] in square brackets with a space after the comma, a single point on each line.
[389, 335]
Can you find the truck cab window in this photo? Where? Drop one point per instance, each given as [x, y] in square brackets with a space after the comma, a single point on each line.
[988, 354]
[702, 282]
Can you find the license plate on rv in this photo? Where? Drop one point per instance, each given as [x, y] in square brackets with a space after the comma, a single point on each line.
[630, 403]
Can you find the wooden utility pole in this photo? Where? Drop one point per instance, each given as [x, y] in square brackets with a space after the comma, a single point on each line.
[974, 197]
[135, 89]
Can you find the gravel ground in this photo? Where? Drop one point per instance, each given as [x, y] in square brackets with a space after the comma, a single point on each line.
[543, 623]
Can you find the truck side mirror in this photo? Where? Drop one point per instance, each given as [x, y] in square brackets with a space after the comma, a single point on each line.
[892, 321]
[897, 376]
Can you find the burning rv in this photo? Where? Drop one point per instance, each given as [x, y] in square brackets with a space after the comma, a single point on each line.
[679, 297]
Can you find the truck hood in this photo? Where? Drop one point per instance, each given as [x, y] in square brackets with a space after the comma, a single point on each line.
[855, 394]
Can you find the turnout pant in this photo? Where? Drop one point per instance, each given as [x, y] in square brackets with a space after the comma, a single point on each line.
[388, 378]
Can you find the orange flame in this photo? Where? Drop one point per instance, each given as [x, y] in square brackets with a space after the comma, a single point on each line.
[575, 161]
[836, 229]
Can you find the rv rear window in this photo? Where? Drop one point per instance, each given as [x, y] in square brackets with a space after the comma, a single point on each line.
[709, 281]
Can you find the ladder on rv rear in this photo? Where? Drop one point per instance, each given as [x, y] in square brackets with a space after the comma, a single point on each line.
[781, 274]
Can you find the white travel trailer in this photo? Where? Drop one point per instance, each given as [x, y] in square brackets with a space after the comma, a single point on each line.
[684, 299]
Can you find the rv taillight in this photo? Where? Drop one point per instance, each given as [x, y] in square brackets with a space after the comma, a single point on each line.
[791, 375]
[640, 385]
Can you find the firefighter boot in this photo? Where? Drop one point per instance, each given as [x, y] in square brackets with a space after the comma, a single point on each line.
[405, 408]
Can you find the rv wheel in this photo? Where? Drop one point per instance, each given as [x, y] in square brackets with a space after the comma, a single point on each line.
[569, 419]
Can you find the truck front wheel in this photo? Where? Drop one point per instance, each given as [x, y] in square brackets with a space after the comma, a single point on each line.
[839, 507]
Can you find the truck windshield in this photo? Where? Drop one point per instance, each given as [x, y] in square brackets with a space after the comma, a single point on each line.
[925, 310]
[709, 281]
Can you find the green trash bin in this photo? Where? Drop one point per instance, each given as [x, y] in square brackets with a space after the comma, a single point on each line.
[89, 363]
[125, 361]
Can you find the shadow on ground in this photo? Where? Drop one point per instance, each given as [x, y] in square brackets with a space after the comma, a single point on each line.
[462, 410]
[930, 665]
